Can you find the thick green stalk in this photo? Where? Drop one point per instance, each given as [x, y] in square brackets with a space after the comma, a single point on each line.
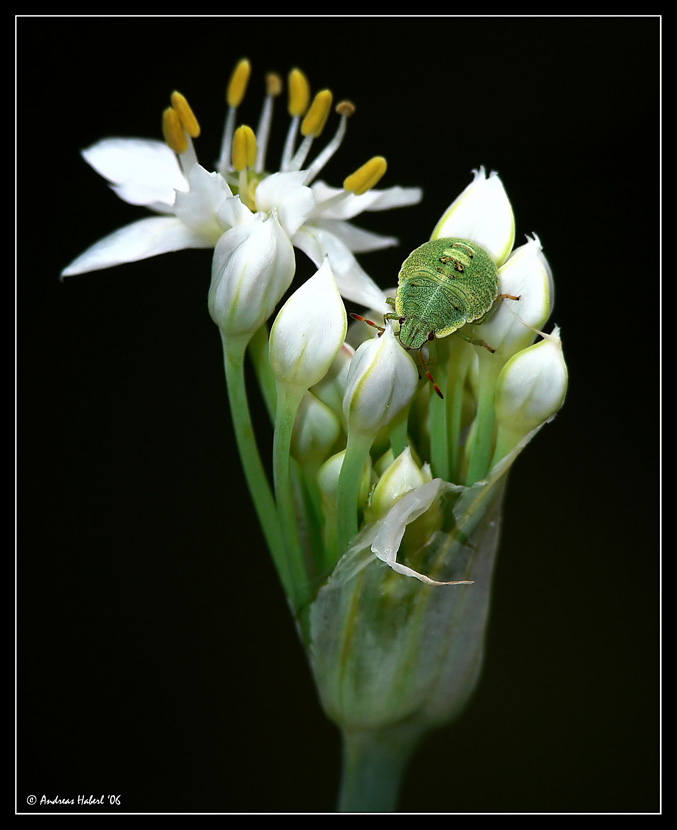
[257, 481]
[374, 763]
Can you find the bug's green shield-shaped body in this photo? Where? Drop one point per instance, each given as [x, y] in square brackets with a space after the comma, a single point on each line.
[443, 285]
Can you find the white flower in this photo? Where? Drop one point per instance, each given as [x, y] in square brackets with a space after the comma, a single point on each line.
[196, 206]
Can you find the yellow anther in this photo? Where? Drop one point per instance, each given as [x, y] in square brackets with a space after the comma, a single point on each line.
[299, 93]
[346, 108]
[367, 176]
[244, 148]
[237, 85]
[186, 114]
[172, 131]
[314, 122]
[273, 84]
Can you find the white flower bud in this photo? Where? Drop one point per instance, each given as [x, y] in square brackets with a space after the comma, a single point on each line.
[530, 390]
[331, 389]
[483, 214]
[328, 477]
[308, 331]
[253, 266]
[316, 430]
[514, 323]
[401, 476]
[382, 380]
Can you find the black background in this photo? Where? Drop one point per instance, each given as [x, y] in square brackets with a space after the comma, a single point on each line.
[156, 656]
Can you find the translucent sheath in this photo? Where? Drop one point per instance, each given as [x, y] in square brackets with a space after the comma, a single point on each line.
[393, 656]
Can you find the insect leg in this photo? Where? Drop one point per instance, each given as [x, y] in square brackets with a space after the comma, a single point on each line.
[431, 336]
[475, 341]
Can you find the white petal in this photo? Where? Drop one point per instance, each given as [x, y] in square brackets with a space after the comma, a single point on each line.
[198, 207]
[286, 192]
[353, 282]
[140, 240]
[142, 171]
[392, 197]
[233, 213]
[482, 214]
[358, 240]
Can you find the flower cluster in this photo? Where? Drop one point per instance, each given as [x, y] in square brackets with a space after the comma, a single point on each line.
[241, 206]
[383, 511]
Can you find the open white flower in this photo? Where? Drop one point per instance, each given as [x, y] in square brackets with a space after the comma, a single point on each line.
[196, 206]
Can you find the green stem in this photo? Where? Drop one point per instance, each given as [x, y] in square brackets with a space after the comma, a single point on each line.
[483, 441]
[255, 474]
[374, 763]
[439, 446]
[258, 352]
[456, 374]
[288, 400]
[398, 433]
[506, 441]
[350, 479]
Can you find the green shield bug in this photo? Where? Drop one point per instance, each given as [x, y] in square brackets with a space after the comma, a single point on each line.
[443, 285]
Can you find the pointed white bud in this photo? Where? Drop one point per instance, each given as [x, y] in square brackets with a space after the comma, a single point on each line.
[316, 430]
[381, 381]
[483, 214]
[328, 477]
[530, 390]
[308, 331]
[401, 476]
[331, 389]
[514, 324]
